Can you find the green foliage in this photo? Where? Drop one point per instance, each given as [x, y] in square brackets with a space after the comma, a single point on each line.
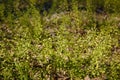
[71, 44]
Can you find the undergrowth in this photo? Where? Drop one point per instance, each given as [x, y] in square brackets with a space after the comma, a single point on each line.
[68, 45]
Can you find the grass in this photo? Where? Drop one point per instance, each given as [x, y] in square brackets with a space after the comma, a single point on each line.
[72, 45]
